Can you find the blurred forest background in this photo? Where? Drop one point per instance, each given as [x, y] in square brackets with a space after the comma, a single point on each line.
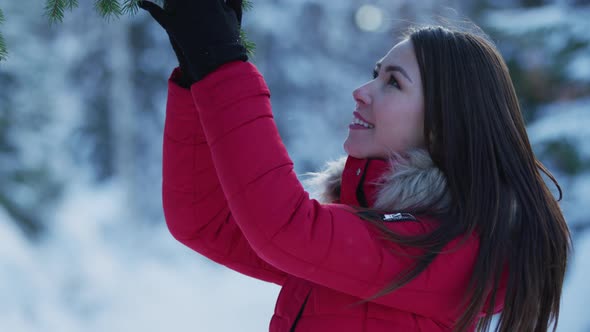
[83, 242]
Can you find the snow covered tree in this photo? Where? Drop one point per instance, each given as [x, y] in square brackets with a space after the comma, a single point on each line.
[29, 185]
[547, 48]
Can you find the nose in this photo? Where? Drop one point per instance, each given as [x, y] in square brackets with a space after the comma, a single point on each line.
[361, 95]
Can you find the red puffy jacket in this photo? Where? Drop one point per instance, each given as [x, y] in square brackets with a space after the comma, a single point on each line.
[231, 194]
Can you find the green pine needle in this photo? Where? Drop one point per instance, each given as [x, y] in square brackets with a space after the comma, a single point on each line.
[54, 10]
[250, 46]
[108, 8]
[71, 4]
[3, 52]
[130, 7]
[247, 5]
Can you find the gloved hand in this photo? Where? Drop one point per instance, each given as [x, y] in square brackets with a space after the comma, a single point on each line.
[205, 34]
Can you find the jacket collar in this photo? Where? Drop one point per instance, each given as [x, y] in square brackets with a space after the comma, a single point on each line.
[359, 181]
[405, 182]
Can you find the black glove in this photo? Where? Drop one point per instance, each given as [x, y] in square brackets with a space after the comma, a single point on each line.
[184, 80]
[205, 34]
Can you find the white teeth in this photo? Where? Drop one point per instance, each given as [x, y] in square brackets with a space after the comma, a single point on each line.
[362, 123]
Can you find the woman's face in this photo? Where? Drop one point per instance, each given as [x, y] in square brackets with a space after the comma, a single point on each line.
[392, 105]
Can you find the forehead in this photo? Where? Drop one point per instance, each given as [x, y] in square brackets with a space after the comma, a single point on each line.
[402, 54]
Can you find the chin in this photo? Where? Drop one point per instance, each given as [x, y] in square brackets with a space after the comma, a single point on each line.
[355, 151]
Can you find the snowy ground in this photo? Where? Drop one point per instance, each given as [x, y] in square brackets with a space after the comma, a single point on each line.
[93, 274]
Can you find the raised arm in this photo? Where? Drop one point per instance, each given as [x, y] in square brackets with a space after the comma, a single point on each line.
[195, 206]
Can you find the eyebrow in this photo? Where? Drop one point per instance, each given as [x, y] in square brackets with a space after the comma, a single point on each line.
[394, 68]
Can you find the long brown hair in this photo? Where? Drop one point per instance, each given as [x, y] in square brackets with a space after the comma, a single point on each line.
[476, 136]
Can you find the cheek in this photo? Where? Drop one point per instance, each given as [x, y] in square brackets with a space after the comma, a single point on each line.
[401, 129]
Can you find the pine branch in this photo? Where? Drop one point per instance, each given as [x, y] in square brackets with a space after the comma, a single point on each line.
[3, 52]
[130, 7]
[54, 10]
[71, 4]
[250, 46]
[108, 8]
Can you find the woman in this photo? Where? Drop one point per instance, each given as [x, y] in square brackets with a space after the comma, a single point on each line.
[437, 218]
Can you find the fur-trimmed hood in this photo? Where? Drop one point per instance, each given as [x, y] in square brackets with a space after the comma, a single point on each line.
[412, 182]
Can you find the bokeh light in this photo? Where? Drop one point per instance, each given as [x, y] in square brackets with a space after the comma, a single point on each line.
[369, 18]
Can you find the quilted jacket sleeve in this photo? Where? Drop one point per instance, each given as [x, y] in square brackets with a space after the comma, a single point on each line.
[324, 243]
[195, 207]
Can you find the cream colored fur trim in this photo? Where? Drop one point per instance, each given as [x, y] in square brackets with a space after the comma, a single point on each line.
[413, 183]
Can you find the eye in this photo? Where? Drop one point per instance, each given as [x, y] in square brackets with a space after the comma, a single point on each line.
[393, 81]
[375, 74]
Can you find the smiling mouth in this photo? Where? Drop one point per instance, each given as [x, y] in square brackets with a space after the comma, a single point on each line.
[360, 122]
